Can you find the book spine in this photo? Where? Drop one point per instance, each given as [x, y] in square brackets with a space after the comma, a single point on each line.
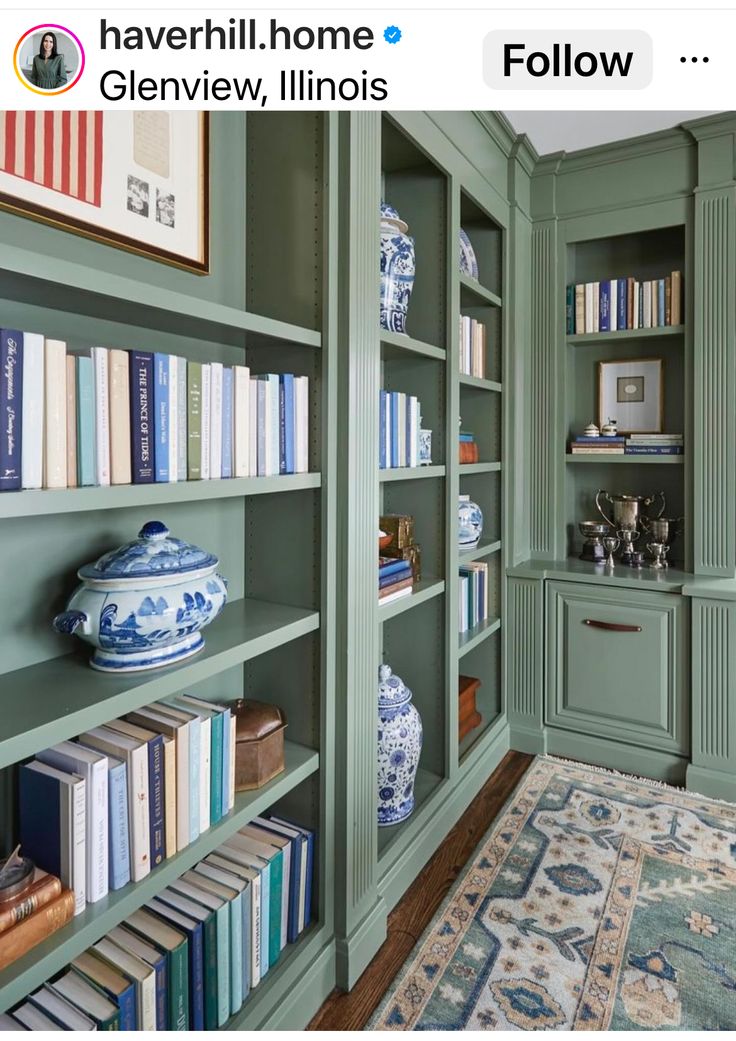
[86, 439]
[216, 768]
[621, 299]
[98, 809]
[141, 398]
[289, 424]
[157, 834]
[161, 416]
[71, 422]
[255, 925]
[282, 428]
[194, 421]
[274, 439]
[660, 302]
[246, 929]
[236, 953]
[390, 580]
[303, 425]
[589, 312]
[605, 307]
[159, 969]
[668, 300]
[119, 849]
[182, 787]
[613, 304]
[231, 764]
[241, 421]
[55, 425]
[11, 406]
[653, 450]
[173, 417]
[223, 964]
[640, 305]
[216, 420]
[179, 987]
[262, 426]
[78, 848]
[395, 463]
[206, 403]
[170, 795]
[579, 309]
[32, 411]
[205, 774]
[101, 362]
[676, 297]
[570, 310]
[120, 428]
[41, 893]
[47, 920]
[194, 763]
[139, 817]
[196, 979]
[382, 429]
[252, 426]
[228, 753]
[227, 422]
[181, 400]
[209, 932]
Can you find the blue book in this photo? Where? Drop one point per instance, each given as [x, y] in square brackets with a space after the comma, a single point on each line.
[227, 422]
[161, 415]
[287, 407]
[382, 430]
[298, 857]
[193, 931]
[391, 580]
[307, 878]
[45, 807]
[141, 416]
[661, 313]
[570, 310]
[604, 308]
[118, 826]
[86, 429]
[262, 422]
[11, 401]
[390, 567]
[640, 312]
[114, 984]
[653, 450]
[154, 957]
[467, 438]
[622, 296]
[394, 429]
[582, 439]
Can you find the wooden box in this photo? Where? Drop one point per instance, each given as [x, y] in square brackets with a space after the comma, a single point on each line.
[469, 717]
[259, 747]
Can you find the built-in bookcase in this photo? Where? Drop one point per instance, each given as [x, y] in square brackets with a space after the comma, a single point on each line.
[273, 244]
[647, 254]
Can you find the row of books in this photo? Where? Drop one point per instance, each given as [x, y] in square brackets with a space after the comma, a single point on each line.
[473, 341]
[122, 798]
[624, 303]
[400, 420]
[632, 444]
[395, 579]
[122, 417]
[468, 448]
[188, 959]
[473, 606]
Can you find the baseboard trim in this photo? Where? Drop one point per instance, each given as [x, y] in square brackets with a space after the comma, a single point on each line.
[532, 740]
[600, 751]
[713, 783]
[354, 953]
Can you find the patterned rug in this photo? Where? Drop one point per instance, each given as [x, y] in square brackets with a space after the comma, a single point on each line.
[596, 902]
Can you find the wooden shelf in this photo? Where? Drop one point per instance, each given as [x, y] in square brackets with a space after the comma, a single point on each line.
[479, 468]
[485, 548]
[58, 699]
[476, 383]
[398, 345]
[604, 460]
[424, 590]
[410, 473]
[60, 948]
[469, 287]
[43, 502]
[469, 640]
[628, 334]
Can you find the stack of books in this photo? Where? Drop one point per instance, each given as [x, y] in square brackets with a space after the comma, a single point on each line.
[400, 420]
[122, 798]
[395, 579]
[29, 918]
[189, 959]
[631, 444]
[472, 347]
[468, 447]
[624, 303]
[400, 565]
[122, 417]
[473, 595]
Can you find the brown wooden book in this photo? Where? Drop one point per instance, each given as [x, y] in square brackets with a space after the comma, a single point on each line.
[388, 590]
[41, 891]
[22, 937]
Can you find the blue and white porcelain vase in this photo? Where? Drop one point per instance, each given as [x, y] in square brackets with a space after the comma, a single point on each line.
[469, 522]
[143, 605]
[399, 748]
[398, 264]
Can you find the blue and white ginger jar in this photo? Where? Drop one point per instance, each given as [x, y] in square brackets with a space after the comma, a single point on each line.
[144, 605]
[470, 522]
[398, 265]
[399, 748]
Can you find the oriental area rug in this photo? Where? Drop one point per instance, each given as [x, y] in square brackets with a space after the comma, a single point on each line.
[595, 902]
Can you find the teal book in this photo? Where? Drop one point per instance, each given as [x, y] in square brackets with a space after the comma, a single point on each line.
[274, 857]
[251, 891]
[174, 944]
[191, 903]
[86, 459]
[234, 849]
[208, 899]
[216, 714]
[231, 888]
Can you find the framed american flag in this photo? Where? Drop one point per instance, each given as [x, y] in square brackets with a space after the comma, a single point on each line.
[135, 180]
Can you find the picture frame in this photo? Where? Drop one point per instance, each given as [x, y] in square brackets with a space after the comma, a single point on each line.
[631, 392]
[138, 181]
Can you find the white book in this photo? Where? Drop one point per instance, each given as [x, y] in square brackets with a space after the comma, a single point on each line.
[142, 974]
[269, 843]
[301, 423]
[119, 416]
[205, 760]
[241, 421]
[233, 742]
[173, 392]
[61, 1010]
[181, 385]
[230, 852]
[252, 895]
[215, 420]
[613, 307]
[398, 595]
[150, 717]
[596, 307]
[589, 314]
[73, 839]
[272, 424]
[635, 315]
[194, 724]
[253, 427]
[83, 995]
[646, 288]
[93, 767]
[413, 407]
[55, 409]
[101, 363]
[206, 421]
[33, 411]
[135, 754]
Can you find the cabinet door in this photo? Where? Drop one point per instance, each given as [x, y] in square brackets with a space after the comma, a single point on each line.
[617, 664]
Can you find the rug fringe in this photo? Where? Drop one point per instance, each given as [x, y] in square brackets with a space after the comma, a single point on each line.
[650, 781]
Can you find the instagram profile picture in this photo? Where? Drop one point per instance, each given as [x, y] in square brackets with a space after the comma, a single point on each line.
[48, 59]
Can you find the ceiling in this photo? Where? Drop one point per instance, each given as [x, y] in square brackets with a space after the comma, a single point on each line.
[569, 131]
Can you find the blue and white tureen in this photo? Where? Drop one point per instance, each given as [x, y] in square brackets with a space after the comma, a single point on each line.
[143, 605]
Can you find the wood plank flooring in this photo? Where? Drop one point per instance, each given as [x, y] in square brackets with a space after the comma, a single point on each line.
[415, 910]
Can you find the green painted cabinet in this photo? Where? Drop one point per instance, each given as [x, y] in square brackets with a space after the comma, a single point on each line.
[617, 664]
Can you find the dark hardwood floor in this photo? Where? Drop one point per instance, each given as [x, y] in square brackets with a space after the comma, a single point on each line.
[414, 911]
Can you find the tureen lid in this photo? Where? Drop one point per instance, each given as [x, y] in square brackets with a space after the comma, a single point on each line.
[392, 691]
[153, 554]
[388, 213]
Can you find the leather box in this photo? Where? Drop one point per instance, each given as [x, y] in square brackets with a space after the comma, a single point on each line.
[259, 747]
[468, 715]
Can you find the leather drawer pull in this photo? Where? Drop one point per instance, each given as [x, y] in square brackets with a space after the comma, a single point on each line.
[612, 627]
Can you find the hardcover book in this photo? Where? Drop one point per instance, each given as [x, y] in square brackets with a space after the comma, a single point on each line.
[161, 404]
[120, 431]
[71, 422]
[32, 411]
[55, 422]
[11, 402]
[194, 420]
[141, 416]
[101, 366]
[86, 436]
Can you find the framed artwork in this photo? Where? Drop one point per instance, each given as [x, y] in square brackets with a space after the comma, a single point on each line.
[632, 394]
[135, 180]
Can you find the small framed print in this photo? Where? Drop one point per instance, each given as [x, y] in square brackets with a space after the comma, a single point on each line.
[632, 394]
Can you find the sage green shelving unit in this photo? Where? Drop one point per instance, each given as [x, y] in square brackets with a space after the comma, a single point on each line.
[267, 301]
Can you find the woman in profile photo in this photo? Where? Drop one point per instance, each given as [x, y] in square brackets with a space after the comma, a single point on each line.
[48, 71]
